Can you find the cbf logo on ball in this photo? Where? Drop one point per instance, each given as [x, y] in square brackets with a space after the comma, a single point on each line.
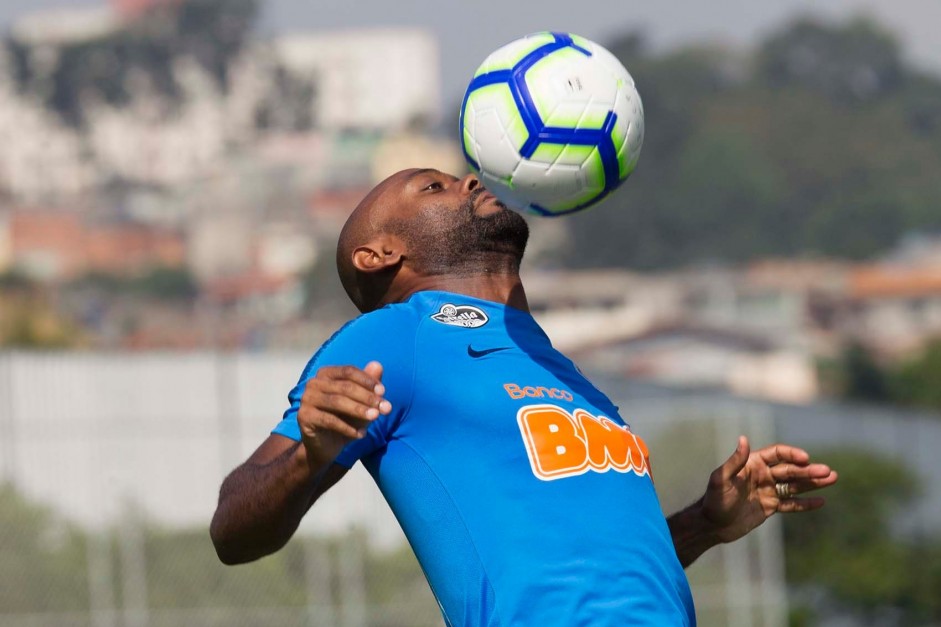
[552, 123]
[466, 316]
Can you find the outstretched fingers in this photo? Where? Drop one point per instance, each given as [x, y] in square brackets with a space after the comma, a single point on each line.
[318, 419]
[791, 506]
[736, 462]
[794, 472]
[374, 369]
[800, 486]
[344, 399]
[784, 453]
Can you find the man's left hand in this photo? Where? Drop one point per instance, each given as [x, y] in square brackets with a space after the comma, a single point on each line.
[744, 491]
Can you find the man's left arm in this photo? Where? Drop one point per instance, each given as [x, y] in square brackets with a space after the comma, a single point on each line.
[745, 491]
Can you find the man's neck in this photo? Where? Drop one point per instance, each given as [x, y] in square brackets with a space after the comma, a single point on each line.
[506, 289]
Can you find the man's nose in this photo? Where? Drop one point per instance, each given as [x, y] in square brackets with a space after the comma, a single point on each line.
[469, 183]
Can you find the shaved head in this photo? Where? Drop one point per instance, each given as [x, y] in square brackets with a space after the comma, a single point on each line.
[420, 224]
[365, 223]
[357, 229]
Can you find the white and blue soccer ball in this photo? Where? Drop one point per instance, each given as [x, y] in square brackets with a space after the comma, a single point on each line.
[552, 123]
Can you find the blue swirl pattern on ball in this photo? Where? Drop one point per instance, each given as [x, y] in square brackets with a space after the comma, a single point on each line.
[539, 131]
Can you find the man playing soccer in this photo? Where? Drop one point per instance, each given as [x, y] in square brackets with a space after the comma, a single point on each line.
[527, 499]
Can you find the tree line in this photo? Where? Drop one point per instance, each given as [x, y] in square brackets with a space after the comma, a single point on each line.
[822, 141]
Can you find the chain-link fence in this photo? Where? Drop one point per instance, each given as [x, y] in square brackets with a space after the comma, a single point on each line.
[111, 465]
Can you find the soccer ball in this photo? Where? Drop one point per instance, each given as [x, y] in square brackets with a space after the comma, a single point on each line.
[552, 123]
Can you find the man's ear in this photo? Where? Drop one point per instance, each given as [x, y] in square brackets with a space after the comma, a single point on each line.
[378, 254]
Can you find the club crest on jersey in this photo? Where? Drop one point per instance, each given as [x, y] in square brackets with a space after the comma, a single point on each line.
[466, 316]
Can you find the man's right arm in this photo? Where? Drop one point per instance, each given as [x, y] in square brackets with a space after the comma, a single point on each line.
[262, 502]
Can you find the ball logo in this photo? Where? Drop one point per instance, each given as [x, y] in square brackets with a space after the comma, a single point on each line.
[466, 316]
[560, 444]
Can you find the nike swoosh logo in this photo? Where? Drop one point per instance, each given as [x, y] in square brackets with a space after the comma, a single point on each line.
[475, 354]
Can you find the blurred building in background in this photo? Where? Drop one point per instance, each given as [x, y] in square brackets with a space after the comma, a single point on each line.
[81, 113]
[59, 245]
[757, 331]
[380, 79]
[144, 136]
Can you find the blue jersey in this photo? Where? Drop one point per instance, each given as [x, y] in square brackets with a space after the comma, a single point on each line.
[526, 498]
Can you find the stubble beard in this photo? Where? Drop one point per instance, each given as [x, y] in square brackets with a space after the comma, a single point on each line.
[470, 244]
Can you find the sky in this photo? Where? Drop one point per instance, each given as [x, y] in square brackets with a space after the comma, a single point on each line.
[468, 31]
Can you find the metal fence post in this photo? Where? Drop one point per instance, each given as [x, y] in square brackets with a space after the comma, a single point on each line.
[133, 571]
[738, 579]
[227, 402]
[7, 420]
[320, 611]
[352, 567]
[770, 538]
[100, 580]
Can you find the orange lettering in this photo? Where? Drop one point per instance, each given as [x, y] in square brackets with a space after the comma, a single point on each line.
[552, 441]
[609, 442]
[516, 392]
[562, 445]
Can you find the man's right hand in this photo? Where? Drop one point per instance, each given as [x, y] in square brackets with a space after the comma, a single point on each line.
[337, 407]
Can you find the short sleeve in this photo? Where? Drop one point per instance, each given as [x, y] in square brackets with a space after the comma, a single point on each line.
[386, 336]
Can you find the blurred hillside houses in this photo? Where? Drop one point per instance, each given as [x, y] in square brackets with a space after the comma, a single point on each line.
[758, 330]
[174, 180]
[65, 245]
[170, 179]
[168, 93]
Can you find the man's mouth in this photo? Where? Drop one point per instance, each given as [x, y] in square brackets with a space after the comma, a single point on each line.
[485, 197]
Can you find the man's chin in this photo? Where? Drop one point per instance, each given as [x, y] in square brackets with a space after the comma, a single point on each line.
[503, 230]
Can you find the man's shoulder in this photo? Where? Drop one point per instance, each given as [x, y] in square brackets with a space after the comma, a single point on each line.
[387, 335]
[387, 323]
